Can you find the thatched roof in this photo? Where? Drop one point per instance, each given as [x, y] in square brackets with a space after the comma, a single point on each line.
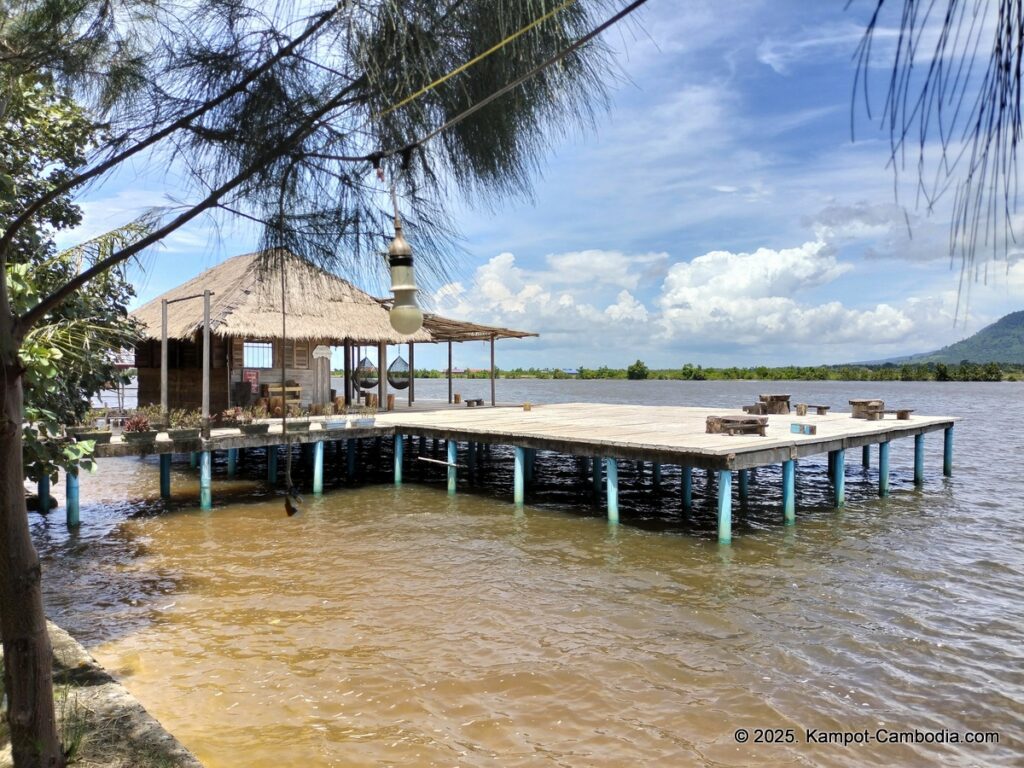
[247, 302]
[446, 329]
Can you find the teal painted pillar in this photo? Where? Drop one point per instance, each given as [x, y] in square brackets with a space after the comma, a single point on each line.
[724, 506]
[272, 464]
[656, 475]
[612, 475]
[350, 458]
[193, 460]
[165, 475]
[883, 469]
[519, 479]
[318, 467]
[205, 480]
[595, 465]
[789, 492]
[744, 486]
[947, 453]
[687, 473]
[453, 458]
[232, 462]
[71, 502]
[399, 455]
[44, 494]
[865, 456]
[919, 459]
[839, 479]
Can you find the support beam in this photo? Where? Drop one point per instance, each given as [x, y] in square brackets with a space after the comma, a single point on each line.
[350, 458]
[789, 492]
[883, 469]
[412, 374]
[205, 480]
[163, 358]
[44, 494]
[493, 396]
[318, 467]
[399, 451]
[449, 371]
[919, 459]
[193, 460]
[744, 486]
[71, 500]
[947, 452]
[207, 354]
[865, 456]
[595, 464]
[382, 380]
[232, 462]
[272, 464]
[612, 474]
[839, 479]
[348, 372]
[687, 483]
[453, 458]
[165, 476]
[519, 479]
[724, 506]
[656, 476]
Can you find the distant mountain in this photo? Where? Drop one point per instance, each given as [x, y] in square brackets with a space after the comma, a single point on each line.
[1001, 342]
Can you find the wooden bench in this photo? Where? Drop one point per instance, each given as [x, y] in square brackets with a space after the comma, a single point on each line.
[473, 402]
[736, 425]
[820, 410]
[757, 408]
[776, 404]
[863, 406]
[902, 414]
[292, 395]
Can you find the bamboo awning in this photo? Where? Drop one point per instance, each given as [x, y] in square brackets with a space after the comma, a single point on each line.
[447, 329]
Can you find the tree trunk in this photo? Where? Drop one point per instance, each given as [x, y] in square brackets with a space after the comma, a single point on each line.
[28, 663]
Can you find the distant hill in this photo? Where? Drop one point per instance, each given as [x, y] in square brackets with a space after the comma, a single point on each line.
[1001, 342]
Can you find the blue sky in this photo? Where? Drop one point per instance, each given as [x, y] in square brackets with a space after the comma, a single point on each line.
[719, 214]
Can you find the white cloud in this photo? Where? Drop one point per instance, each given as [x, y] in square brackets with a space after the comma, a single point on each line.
[627, 308]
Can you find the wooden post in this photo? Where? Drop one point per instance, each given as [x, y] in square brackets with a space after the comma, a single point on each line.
[947, 453]
[272, 464]
[71, 501]
[519, 480]
[163, 358]
[724, 506]
[883, 469]
[919, 459]
[399, 449]
[453, 457]
[449, 371]
[232, 462]
[612, 475]
[839, 479]
[789, 492]
[493, 400]
[865, 456]
[205, 481]
[318, 467]
[687, 482]
[348, 372]
[206, 365]
[165, 476]
[382, 381]
[412, 374]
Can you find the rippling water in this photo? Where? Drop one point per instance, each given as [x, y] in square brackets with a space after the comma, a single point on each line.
[404, 627]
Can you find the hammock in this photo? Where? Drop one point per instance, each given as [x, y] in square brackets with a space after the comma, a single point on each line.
[365, 376]
[398, 374]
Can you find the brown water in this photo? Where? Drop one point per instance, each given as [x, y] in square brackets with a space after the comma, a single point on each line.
[402, 627]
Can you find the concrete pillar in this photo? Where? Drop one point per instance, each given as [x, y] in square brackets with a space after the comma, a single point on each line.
[272, 464]
[519, 480]
[318, 467]
[919, 459]
[947, 453]
[232, 462]
[687, 482]
[71, 502]
[44, 494]
[612, 475]
[883, 469]
[205, 480]
[865, 456]
[399, 451]
[839, 479]
[165, 475]
[744, 486]
[789, 492]
[453, 458]
[724, 506]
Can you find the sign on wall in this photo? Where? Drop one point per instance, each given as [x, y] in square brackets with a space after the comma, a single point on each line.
[252, 376]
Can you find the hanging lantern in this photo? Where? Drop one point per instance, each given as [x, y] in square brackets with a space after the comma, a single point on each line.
[406, 317]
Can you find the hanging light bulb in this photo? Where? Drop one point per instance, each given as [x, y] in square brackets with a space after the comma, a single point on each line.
[406, 317]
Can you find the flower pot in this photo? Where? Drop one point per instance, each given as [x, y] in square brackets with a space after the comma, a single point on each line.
[98, 436]
[184, 433]
[364, 421]
[254, 429]
[148, 436]
[335, 423]
[298, 426]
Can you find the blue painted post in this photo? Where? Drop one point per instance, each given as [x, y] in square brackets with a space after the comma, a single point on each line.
[947, 453]
[612, 473]
[883, 469]
[789, 492]
[724, 506]
[399, 451]
[318, 467]
[350, 451]
[595, 464]
[919, 459]
[453, 458]
[865, 456]
[744, 486]
[44, 494]
[687, 473]
[165, 475]
[519, 482]
[205, 480]
[193, 460]
[839, 479]
[272, 464]
[232, 462]
[71, 483]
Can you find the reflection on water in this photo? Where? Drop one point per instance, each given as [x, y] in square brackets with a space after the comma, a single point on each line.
[401, 626]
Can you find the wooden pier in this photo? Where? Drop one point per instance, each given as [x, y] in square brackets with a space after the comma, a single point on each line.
[604, 433]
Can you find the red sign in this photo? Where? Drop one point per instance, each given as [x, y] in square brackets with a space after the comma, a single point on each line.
[253, 377]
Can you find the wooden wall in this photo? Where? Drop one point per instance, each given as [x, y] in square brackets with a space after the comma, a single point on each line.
[184, 388]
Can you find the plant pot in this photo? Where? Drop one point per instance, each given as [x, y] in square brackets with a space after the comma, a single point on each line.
[364, 421]
[254, 429]
[183, 433]
[98, 436]
[149, 436]
[334, 423]
[298, 426]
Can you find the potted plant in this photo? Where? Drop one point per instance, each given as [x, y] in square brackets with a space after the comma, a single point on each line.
[252, 421]
[185, 425]
[137, 429]
[295, 421]
[335, 417]
[157, 419]
[89, 428]
[365, 417]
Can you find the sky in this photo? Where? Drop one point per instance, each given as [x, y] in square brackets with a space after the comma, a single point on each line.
[720, 213]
